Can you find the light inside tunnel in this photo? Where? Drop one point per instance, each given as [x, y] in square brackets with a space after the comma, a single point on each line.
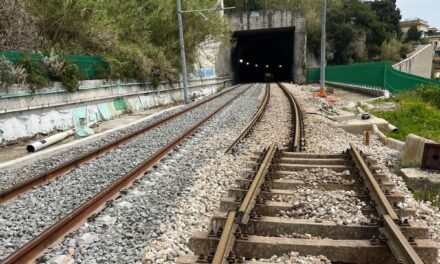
[263, 48]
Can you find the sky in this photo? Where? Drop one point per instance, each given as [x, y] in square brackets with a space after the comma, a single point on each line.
[428, 10]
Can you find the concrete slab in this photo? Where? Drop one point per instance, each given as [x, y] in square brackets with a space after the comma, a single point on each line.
[347, 251]
[271, 208]
[420, 180]
[358, 126]
[293, 184]
[393, 197]
[276, 226]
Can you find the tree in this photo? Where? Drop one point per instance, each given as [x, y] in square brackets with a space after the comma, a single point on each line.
[413, 34]
[138, 38]
[389, 15]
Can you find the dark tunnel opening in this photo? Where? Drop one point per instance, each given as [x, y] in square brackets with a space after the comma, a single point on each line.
[264, 55]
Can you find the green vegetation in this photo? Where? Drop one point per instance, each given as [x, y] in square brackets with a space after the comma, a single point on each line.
[413, 34]
[36, 72]
[432, 195]
[418, 112]
[138, 39]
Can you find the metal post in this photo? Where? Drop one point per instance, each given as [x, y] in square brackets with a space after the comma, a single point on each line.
[182, 53]
[322, 92]
[221, 4]
[323, 41]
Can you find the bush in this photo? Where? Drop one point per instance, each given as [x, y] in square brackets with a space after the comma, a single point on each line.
[391, 50]
[429, 94]
[36, 73]
[69, 77]
[11, 74]
[155, 81]
[63, 71]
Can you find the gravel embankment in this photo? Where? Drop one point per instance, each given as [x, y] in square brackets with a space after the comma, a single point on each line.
[33, 212]
[9, 178]
[167, 202]
[324, 135]
[196, 209]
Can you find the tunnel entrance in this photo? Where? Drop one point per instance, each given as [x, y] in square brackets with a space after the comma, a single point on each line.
[264, 55]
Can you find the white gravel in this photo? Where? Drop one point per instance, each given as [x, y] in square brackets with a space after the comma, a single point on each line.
[321, 176]
[223, 171]
[163, 206]
[33, 212]
[324, 135]
[294, 258]
[340, 206]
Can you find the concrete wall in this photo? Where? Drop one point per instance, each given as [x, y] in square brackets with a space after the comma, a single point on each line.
[26, 115]
[419, 62]
[273, 19]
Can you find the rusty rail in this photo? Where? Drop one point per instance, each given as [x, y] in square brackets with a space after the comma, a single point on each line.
[36, 247]
[241, 217]
[16, 190]
[297, 141]
[396, 241]
[258, 115]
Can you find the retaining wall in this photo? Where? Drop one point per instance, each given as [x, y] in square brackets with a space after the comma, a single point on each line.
[419, 62]
[24, 115]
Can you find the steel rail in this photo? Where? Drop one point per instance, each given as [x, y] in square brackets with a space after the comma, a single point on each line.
[37, 246]
[254, 190]
[297, 133]
[396, 241]
[242, 216]
[258, 115]
[398, 244]
[20, 188]
[382, 204]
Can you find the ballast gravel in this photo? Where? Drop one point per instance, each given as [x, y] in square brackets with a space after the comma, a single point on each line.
[179, 194]
[324, 135]
[293, 257]
[340, 206]
[321, 176]
[9, 177]
[33, 212]
[165, 248]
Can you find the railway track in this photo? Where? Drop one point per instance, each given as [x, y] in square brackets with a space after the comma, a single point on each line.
[62, 169]
[34, 248]
[257, 117]
[267, 215]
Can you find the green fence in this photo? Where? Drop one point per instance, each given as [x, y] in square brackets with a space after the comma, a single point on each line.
[88, 66]
[379, 75]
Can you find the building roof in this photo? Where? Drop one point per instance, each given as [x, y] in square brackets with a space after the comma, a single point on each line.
[413, 22]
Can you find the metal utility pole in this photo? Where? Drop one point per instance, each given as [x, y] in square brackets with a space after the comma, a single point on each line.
[322, 92]
[182, 40]
[182, 53]
[221, 4]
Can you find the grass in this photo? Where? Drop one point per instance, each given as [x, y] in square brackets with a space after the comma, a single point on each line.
[432, 196]
[415, 114]
[383, 100]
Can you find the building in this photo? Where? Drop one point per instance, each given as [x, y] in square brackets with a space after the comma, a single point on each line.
[421, 25]
[434, 37]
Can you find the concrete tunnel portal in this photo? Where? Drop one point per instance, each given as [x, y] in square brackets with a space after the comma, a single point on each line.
[264, 55]
[269, 45]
